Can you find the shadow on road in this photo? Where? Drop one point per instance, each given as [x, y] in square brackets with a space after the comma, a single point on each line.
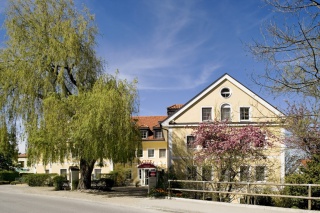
[129, 191]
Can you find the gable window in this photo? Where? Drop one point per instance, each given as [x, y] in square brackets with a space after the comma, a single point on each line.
[206, 114]
[260, 173]
[244, 113]
[162, 153]
[225, 112]
[150, 153]
[144, 134]
[190, 141]
[158, 134]
[225, 92]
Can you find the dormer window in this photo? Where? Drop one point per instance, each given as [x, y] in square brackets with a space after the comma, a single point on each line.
[158, 134]
[225, 92]
[144, 134]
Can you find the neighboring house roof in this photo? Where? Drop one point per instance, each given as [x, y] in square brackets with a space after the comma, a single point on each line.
[210, 88]
[175, 106]
[22, 156]
[149, 123]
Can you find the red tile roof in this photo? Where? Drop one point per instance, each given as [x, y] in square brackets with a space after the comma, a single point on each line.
[22, 155]
[175, 106]
[149, 122]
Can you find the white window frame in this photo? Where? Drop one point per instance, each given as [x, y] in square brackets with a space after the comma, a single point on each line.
[264, 173]
[165, 153]
[211, 113]
[224, 106]
[249, 113]
[149, 153]
[144, 132]
[156, 132]
[230, 92]
[248, 173]
[187, 145]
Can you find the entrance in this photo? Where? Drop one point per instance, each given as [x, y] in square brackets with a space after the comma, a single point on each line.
[143, 171]
[144, 176]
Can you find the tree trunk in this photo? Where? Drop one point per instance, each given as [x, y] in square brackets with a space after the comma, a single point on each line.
[86, 168]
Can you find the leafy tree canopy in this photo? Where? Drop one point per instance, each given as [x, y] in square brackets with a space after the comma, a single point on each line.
[51, 79]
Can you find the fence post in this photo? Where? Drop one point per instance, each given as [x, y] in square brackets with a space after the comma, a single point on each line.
[203, 188]
[169, 193]
[309, 195]
[248, 191]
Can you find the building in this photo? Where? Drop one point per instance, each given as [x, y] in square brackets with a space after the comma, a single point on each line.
[226, 98]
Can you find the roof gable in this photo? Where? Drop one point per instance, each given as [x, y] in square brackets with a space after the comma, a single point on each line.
[214, 85]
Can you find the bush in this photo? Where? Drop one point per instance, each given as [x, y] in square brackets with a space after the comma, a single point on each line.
[58, 182]
[39, 179]
[102, 184]
[4, 182]
[158, 193]
[8, 176]
[119, 176]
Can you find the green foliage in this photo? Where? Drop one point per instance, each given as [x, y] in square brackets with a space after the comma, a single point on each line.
[8, 147]
[58, 182]
[308, 174]
[38, 179]
[51, 78]
[158, 193]
[8, 175]
[119, 176]
[4, 182]
[104, 184]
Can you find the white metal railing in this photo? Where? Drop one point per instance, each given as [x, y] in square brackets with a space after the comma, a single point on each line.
[246, 190]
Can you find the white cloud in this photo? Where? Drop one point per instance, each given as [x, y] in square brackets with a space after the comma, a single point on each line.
[173, 47]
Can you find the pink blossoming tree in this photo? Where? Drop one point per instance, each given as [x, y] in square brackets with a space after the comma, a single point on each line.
[230, 150]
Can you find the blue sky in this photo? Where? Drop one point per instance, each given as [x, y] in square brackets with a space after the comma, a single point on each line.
[176, 48]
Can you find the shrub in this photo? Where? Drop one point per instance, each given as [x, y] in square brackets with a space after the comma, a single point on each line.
[39, 179]
[3, 182]
[8, 175]
[158, 193]
[58, 182]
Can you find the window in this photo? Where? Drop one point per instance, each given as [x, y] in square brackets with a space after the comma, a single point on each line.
[162, 153]
[206, 114]
[244, 173]
[225, 112]
[192, 173]
[97, 173]
[227, 175]
[206, 173]
[47, 171]
[139, 153]
[144, 134]
[190, 141]
[225, 92]
[63, 172]
[260, 173]
[244, 113]
[150, 153]
[158, 134]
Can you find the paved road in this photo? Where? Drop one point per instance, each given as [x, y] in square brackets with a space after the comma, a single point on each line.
[13, 199]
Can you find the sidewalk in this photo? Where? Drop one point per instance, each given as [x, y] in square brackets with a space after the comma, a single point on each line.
[137, 197]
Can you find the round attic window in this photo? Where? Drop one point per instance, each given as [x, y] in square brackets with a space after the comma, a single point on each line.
[225, 92]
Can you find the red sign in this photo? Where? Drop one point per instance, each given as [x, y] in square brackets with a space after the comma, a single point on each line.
[152, 173]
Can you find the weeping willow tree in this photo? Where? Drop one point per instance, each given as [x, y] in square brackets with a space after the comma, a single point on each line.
[51, 79]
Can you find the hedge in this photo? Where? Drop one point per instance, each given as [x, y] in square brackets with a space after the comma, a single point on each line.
[39, 179]
[8, 176]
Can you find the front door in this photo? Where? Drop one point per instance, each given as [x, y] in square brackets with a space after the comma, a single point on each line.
[144, 176]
